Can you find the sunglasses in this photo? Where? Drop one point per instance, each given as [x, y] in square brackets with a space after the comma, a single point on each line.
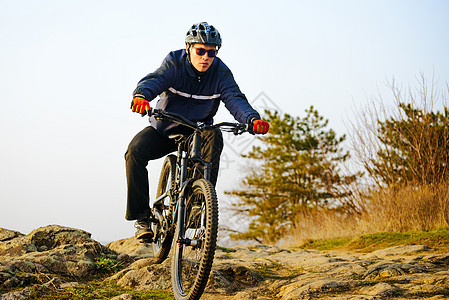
[202, 51]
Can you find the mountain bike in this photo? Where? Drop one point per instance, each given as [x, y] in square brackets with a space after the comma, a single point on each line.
[185, 211]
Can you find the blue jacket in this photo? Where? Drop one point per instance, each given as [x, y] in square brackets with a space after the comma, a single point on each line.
[196, 96]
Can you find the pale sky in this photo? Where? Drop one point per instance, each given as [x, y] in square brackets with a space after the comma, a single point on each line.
[68, 69]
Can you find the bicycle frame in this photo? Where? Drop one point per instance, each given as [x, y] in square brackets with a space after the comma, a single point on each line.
[185, 157]
[182, 183]
[185, 182]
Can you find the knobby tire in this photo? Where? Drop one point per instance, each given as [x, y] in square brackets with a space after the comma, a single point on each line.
[191, 265]
[161, 211]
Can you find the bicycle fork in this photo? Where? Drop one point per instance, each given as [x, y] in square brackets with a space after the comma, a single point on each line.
[180, 210]
[185, 184]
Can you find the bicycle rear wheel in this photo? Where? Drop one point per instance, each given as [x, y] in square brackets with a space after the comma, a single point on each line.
[162, 210]
[191, 264]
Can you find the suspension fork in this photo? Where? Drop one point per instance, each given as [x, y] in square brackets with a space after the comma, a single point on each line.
[207, 167]
[180, 222]
[185, 186]
[180, 202]
[181, 212]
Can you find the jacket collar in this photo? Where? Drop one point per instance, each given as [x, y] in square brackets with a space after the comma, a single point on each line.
[192, 72]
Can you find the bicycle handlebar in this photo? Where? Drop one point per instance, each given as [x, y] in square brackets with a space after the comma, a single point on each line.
[236, 128]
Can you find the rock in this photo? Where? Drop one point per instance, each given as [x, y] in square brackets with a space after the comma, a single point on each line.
[243, 296]
[390, 269]
[299, 290]
[72, 284]
[436, 258]
[18, 295]
[401, 250]
[6, 235]
[229, 278]
[132, 247]
[320, 274]
[424, 290]
[381, 290]
[145, 275]
[42, 239]
[125, 297]
[45, 253]
[53, 257]
[123, 257]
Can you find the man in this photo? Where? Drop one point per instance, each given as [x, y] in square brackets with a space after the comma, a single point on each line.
[190, 82]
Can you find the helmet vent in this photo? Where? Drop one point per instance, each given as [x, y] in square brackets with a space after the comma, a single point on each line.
[203, 33]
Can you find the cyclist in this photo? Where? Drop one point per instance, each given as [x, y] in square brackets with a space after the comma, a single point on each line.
[190, 82]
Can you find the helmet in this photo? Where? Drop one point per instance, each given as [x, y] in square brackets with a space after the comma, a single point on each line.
[203, 33]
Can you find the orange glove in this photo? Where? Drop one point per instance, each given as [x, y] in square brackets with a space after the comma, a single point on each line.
[260, 126]
[140, 105]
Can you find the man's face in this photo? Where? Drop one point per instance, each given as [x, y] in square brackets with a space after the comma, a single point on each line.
[201, 62]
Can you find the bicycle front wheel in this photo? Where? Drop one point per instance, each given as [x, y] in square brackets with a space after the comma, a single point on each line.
[162, 210]
[192, 261]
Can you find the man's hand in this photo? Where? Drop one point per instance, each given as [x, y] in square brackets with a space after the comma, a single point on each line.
[140, 105]
[260, 126]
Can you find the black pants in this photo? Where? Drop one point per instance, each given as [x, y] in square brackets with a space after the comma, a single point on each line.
[149, 144]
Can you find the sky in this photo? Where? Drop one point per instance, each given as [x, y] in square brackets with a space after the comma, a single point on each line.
[68, 69]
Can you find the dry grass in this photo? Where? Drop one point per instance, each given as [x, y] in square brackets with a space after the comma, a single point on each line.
[401, 209]
[321, 225]
[407, 208]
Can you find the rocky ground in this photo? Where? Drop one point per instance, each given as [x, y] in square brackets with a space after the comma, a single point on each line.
[58, 258]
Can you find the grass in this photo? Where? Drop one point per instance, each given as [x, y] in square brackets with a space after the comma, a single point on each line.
[108, 264]
[327, 244]
[98, 290]
[438, 238]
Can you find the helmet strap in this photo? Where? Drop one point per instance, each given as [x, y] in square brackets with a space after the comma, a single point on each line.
[188, 53]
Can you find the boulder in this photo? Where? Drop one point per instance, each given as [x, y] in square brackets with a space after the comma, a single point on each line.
[132, 247]
[45, 253]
